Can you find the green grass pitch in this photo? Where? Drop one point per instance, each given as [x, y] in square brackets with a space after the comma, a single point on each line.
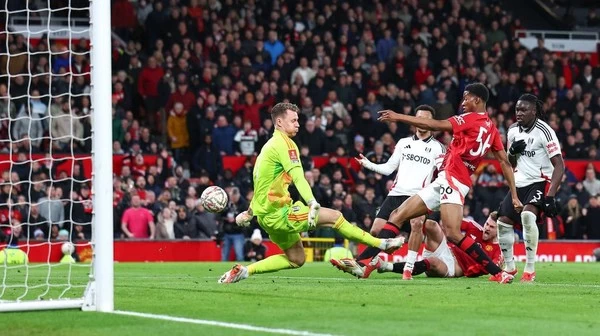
[318, 299]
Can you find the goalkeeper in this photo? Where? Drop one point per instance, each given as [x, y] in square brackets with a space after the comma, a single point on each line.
[276, 167]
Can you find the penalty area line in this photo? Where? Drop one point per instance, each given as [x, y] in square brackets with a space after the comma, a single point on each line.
[229, 325]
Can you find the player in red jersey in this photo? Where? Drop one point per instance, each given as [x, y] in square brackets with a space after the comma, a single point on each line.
[446, 260]
[474, 135]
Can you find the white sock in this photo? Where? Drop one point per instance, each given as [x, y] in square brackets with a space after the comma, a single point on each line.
[531, 235]
[411, 258]
[506, 239]
[387, 266]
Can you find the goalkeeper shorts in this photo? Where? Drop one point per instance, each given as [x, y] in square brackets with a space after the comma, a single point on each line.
[285, 225]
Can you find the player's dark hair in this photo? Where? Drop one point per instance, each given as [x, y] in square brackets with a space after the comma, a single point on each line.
[479, 90]
[539, 106]
[280, 109]
[428, 108]
[494, 215]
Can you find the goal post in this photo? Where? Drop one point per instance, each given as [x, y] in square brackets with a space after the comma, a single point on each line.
[37, 280]
[103, 269]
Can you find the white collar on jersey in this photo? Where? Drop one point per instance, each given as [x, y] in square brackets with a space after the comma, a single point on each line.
[528, 130]
[415, 138]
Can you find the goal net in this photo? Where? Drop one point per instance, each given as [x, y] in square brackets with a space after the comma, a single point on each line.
[55, 156]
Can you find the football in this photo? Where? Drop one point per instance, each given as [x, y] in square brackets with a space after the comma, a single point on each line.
[214, 199]
[67, 248]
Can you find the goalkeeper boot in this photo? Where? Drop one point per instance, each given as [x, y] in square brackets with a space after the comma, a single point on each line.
[528, 277]
[374, 264]
[350, 266]
[392, 244]
[498, 276]
[236, 274]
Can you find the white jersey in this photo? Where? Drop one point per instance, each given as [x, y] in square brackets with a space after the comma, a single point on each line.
[534, 164]
[416, 161]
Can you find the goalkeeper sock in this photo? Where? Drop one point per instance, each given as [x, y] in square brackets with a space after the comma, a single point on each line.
[388, 231]
[475, 251]
[271, 264]
[411, 258]
[355, 234]
[531, 235]
[506, 239]
[419, 267]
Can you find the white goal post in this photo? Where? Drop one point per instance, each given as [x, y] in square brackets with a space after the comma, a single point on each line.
[49, 284]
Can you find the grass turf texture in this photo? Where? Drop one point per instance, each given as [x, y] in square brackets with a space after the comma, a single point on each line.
[321, 299]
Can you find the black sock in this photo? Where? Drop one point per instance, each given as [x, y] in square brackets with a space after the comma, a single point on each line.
[419, 267]
[398, 267]
[475, 251]
[388, 231]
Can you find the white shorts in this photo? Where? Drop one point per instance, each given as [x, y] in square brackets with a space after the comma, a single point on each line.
[443, 253]
[441, 191]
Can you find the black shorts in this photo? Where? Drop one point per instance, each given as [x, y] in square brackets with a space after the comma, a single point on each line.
[390, 204]
[532, 194]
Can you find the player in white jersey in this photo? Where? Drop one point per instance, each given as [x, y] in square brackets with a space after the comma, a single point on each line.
[416, 159]
[535, 153]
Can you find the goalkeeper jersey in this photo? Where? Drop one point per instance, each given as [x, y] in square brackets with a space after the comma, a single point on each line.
[271, 179]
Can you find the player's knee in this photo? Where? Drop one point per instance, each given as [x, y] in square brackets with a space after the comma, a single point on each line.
[297, 260]
[374, 231]
[416, 225]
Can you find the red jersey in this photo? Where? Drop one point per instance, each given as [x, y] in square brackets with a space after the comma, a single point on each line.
[470, 267]
[474, 135]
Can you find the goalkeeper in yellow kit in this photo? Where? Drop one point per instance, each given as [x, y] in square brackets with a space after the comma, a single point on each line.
[277, 166]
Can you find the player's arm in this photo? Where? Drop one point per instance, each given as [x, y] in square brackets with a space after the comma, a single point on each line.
[552, 147]
[557, 174]
[289, 158]
[297, 174]
[385, 168]
[427, 124]
[509, 175]
[514, 148]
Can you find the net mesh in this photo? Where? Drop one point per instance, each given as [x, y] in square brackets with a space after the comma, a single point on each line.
[45, 146]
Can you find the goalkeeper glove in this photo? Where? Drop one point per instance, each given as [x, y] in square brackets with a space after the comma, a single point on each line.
[517, 147]
[550, 207]
[243, 219]
[313, 214]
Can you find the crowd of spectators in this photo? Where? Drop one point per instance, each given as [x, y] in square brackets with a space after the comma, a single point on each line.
[193, 81]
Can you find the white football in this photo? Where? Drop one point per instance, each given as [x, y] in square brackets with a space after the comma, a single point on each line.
[214, 199]
[67, 248]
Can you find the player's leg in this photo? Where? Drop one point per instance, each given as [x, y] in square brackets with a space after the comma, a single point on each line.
[390, 204]
[507, 216]
[531, 236]
[414, 243]
[413, 207]
[378, 224]
[285, 236]
[434, 238]
[335, 219]
[451, 209]
[383, 229]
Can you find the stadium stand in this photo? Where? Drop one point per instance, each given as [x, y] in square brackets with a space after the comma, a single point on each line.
[193, 81]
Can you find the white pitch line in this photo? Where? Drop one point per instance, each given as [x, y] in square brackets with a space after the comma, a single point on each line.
[220, 324]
